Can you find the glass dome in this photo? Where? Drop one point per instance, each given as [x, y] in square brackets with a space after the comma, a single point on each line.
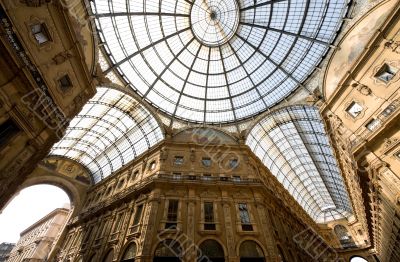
[216, 61]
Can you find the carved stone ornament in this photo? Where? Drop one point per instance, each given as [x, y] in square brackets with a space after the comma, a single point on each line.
[34, 3]
[163, 154]
[62, 57]
[389, 142]
[363, 89]
[393, 45]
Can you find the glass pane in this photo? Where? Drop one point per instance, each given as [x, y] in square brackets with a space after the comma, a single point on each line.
[111, 130]
[204, 61]
[293, 144]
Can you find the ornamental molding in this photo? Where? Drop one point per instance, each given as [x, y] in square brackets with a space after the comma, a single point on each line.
[394, 46]
[390, 144]
[35, 3]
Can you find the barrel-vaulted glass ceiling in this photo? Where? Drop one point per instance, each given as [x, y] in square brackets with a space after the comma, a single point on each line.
[216, 61]
[110, 131]
[293, 145]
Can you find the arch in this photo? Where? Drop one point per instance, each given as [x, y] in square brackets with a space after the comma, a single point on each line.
[353, 46]
[292, 143]
[168, 250]
[281, 254]
[92, 258]
[251, 251]
[343, 236]
[108, 257]
[211, 249]
[129, 253]
[51, 171]
[357, 258]
[112, 129]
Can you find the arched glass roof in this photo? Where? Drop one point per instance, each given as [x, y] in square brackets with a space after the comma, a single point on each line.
[293, 145]
[216, 61]
[111, 130]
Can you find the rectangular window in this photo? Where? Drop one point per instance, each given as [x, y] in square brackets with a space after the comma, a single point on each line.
[138, 215]
[88, 234]
[206, 161]
[236, 178]
[177, 176]
[245, 217]
[207, 177]
[386, 73]
[118, 223]
[8, 129]
[40, 33]
[172, 216]
[209, 223]
[354, 109]
[373, 124]
[178, 160]
[65, 83]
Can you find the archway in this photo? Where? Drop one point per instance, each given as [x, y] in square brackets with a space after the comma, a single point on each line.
[130, 253]
[109, 256]
[92, 258]
[22, 220]
[211, 250]
[344, 237]
[168, 250]
[250, 251]
[29, 206]
[358, 259]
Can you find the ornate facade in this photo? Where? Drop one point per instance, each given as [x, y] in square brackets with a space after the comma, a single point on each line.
[258, 141]
[36, 241]
[178, 192]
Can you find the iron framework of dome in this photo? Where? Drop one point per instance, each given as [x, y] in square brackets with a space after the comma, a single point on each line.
[293, 144]
[216, 61]
[111, 130]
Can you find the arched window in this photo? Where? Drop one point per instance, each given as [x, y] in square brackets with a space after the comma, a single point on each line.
[109, 256]
[281, 255]
[211, 250]
[92, 258]
[344, 237]
[358, 259]
[130, 253]
[168, 250]
[250, 251]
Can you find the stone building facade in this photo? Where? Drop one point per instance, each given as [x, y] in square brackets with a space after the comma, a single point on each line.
[199, 190]
[37, 240]
[227, 207]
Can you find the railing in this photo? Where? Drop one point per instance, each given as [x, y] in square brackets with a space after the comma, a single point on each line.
[199, 177]
[187, 178]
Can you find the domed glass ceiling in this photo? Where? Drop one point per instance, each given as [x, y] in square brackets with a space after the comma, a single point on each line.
[216, 61]
[111, 130]
[294, 146]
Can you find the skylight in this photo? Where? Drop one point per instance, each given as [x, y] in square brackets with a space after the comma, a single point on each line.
[111, 130]
[293, 145]
[216, 61]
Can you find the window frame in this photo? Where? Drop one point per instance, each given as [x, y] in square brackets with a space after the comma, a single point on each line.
[42, 30]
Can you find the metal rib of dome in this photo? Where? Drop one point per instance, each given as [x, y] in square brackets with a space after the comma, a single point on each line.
[216, 61]
[111, 130]
[293, 145]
